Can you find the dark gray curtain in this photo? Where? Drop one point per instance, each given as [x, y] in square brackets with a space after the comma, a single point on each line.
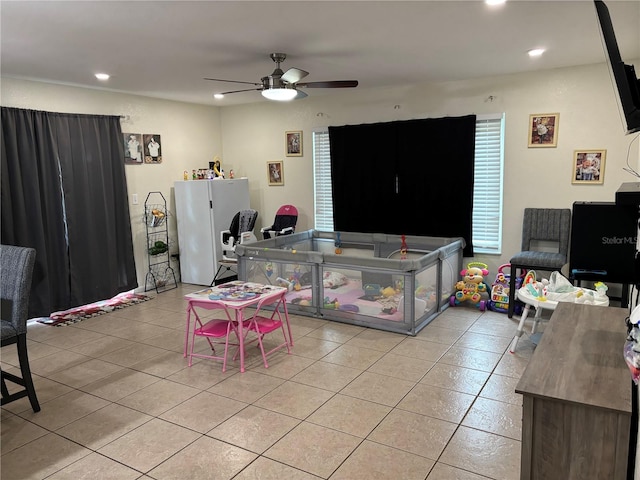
[64, 193]
[412, 177]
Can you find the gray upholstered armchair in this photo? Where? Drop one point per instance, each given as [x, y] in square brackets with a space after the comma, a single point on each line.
[17, 272]
[541, 224]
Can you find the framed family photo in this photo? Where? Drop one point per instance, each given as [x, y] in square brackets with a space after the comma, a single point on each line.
[543, 130]
[588, 167]
[293, 142]
[275, 173]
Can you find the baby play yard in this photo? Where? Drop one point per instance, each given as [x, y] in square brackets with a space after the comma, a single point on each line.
[388, 282]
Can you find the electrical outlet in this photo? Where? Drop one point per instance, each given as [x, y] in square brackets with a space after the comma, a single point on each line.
[134, 198]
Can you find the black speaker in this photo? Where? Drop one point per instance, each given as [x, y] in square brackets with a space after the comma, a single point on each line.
[603, 239]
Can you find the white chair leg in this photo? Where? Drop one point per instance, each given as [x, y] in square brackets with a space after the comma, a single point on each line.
[523, 317]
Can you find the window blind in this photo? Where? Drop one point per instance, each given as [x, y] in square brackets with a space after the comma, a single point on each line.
[322, 181]
[487, 184]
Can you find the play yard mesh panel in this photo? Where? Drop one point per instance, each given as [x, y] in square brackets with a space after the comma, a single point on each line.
[369, 283]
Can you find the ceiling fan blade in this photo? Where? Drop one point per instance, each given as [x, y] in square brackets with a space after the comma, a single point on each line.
[232, 81]
[238, 91]
[300, 95]
[293, 75]
[330, 84]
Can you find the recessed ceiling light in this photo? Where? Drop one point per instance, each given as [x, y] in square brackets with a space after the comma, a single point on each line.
[102, 76]
[218, 96]
[495, 2]
[536, 52]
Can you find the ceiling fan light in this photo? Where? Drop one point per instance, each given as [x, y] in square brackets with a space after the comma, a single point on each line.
[280, 94]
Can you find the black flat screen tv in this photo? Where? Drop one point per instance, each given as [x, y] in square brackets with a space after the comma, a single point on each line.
[626, 83]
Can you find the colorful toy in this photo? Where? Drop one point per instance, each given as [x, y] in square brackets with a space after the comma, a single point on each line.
[601, 288]
[388, 292]
[332, 304]
[499, 297]
[472, 286]
[338, 244]
[217, 169]
[293, 282]
[403, 248]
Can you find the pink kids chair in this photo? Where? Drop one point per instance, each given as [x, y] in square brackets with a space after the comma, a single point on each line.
[263, 323]
[214, 331]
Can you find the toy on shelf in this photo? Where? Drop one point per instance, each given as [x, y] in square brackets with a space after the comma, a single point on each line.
[472, 286]
[403, 248]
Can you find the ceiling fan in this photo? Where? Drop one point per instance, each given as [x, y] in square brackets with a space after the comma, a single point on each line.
[284, 86]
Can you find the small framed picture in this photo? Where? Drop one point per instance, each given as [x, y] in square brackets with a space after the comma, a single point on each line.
[293, 141]
[152, 148]
[588, 167]
[275, 173]
[543, 130]
[132, 148]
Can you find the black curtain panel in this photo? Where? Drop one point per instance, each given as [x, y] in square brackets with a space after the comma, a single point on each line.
[363, 177]
[436, 185]
[101, 256]
[79, 221]
[31, 205]
[411, 177]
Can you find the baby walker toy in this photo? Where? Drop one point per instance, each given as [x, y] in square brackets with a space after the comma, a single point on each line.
[472, 286]
[499, 298]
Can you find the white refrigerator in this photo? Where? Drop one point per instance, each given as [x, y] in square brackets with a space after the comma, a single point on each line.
[204, 208]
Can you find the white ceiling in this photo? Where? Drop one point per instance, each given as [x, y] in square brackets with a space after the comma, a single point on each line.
[164, 49]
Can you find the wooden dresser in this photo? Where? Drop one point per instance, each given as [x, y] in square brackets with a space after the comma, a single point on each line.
[577, 398]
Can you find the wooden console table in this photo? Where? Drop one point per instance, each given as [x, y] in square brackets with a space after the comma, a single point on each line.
[577, 397]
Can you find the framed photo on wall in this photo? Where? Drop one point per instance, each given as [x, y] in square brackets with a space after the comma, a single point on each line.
[132, 148]
[275, 173]
[588, 167]
[543, 130]
[293, 142]
[152, 148]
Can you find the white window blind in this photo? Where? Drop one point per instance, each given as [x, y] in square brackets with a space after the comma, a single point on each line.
[322, 181]
[487, 190]
[487, 184]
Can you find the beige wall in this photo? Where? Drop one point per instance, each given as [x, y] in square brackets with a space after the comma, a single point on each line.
[533, 177]
[254, 134]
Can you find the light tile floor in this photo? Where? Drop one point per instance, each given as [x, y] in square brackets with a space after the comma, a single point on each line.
[119, 402]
